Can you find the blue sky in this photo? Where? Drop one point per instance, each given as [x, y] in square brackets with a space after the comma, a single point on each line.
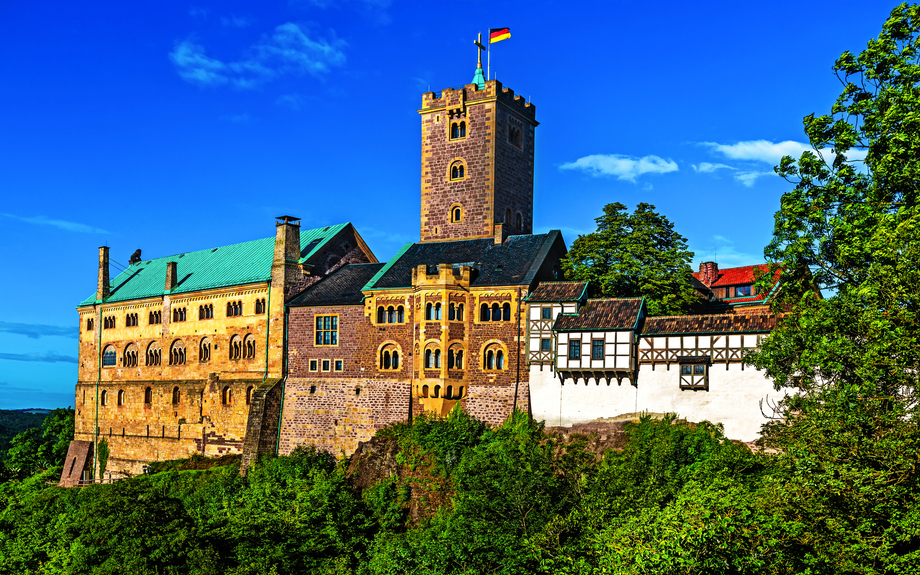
[174, 126]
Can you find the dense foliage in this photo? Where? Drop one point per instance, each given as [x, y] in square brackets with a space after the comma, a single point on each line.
[635, 254]
[39, 447]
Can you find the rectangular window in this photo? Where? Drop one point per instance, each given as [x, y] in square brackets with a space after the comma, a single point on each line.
[547, 313]
[575, 349]
[546, 344]
[695, 374]
[326, 364]
[597, 349]
[742, 291]
[327, 330]
[314, 365]
[339, 365]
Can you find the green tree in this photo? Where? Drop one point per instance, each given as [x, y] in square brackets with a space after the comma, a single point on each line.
[635, 254]
[41, 448]
[849, 489]
[103, 456]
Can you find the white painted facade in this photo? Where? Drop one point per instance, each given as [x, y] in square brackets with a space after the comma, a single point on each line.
[696, 376]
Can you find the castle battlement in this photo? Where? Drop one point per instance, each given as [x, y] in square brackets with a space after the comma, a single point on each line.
[450, 98]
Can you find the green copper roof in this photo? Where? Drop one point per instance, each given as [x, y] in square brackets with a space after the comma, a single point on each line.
[479, 79]
[236, 264]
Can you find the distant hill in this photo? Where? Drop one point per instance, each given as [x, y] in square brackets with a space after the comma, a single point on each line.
[15, 421]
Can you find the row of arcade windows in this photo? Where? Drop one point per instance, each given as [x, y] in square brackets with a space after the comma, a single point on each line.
[495, 313]
[122, 396]
[391, 314]
[457, 171]
[436, 392]
[454, 312]
[179, 314]
[240, 348]
[389, 357]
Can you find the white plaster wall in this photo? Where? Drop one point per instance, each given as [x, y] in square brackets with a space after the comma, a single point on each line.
[733, 398]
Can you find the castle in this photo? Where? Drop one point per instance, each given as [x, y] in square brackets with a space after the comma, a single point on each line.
[306, 339]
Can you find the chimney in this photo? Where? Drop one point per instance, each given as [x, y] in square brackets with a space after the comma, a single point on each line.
[500, 233]
[102, 283]
[709, 273]
[171, 275]
[286, 270]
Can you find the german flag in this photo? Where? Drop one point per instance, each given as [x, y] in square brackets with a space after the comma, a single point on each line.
[498, 34]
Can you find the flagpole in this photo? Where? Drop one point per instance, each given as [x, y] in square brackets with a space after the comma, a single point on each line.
[489, 55]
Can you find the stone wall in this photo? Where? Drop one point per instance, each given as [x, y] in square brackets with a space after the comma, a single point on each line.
[334, 414]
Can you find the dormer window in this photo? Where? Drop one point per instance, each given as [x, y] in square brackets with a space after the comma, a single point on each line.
[741, 291]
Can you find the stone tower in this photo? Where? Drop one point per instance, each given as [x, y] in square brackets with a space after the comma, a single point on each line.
[477, 162]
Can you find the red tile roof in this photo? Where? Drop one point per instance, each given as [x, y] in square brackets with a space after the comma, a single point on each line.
[728, 323]
[558, 291]
[602, 314]
[735, 276]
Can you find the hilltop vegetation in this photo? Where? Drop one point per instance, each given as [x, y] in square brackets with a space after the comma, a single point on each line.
[456, 496]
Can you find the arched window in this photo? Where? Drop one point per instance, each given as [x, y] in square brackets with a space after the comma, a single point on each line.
[506, 312]
[424, 391]
[395, 359]
[204, 350]
[455, 357]
[391, 315]
[104, 397]
[206, 311]
[260, 306]
[449, 392]
[508, 216]
[519, 222]
[437, 358]
[179, 314]
[437, 311]
[156, 317]
[462, 129]
[175, 395]
[249, 395]
[484, 312]
[454, 130]
[109, 356]
[400, 315]
[234, 308]
[121, 397]
[177, 353]
[130, 356]
[456, 214]
[460, 312]
[148, 396]
[429, 359]
[381, 315]
[457, 170]
[226, 396]
[236, 347]
[496, 312]
[437, 391]
[494, 357]
[249, 347]
[154, 355]
[428, 311]
[386, 360]
[451, 312]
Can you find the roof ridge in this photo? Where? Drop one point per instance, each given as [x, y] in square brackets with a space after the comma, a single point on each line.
[144, 260]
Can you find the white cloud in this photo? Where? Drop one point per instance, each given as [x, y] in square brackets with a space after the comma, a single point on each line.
[623, 167]
[706, 167]
[62, 224]
[235, 21]
[760, 150]
[292, 101]
[289, 49]
[748, 178]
